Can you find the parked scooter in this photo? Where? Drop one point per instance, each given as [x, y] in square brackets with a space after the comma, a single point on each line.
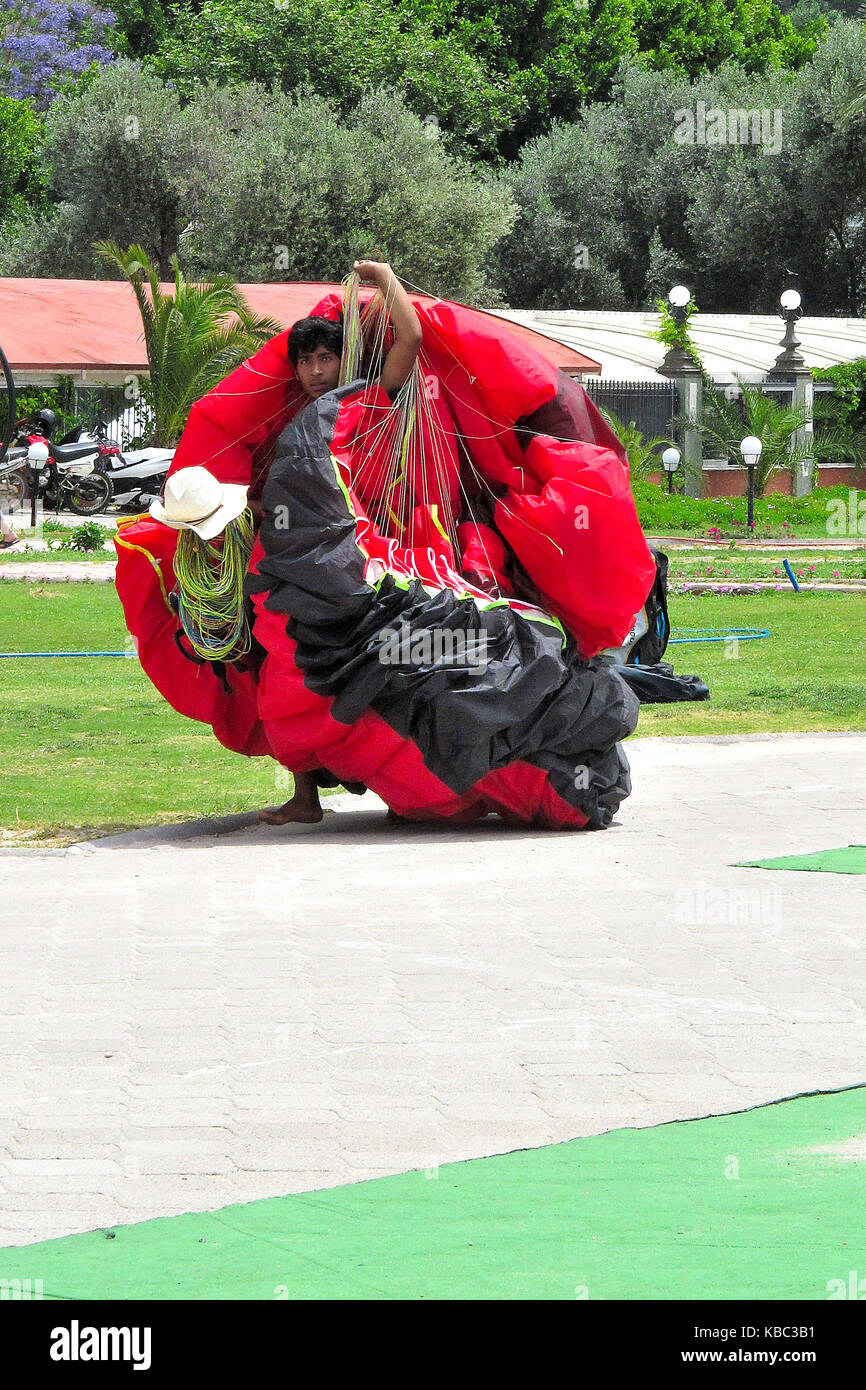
[136, 477]
[66, 474]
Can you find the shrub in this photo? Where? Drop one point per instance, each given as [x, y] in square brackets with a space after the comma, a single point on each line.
[88, 536]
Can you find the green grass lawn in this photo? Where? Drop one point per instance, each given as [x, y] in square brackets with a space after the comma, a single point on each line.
[89, 745]
[62, 557]
[810, 673]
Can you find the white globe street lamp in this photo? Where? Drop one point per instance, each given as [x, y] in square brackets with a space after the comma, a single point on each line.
[789, 361]
[37, 458]
[750, 448]
[670, 463]
[678, 361]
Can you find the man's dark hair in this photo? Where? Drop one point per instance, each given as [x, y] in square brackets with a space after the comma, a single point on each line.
[309, 334]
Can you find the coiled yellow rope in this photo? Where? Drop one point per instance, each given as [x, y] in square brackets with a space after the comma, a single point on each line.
[210, 590]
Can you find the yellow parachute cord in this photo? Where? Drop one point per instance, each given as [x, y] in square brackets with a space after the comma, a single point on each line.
[210, 589]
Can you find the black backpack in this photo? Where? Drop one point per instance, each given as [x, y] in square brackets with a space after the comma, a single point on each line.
[650, 648]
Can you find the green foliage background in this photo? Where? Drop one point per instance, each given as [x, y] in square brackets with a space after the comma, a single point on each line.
[477, 145]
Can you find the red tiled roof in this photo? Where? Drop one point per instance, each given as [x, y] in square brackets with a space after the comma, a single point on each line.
[70, 326]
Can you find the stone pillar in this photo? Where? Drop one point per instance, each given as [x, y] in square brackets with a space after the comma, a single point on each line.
[790, 368]
[691, 392]
[804, 396]
[681, 368]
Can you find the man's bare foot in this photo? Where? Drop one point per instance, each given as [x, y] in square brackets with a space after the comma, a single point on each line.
[303, 809]
[294, 811]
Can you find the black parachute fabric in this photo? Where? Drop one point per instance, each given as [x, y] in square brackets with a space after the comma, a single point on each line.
[507, 693]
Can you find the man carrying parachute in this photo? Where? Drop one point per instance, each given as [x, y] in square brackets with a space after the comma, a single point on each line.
[447, 547]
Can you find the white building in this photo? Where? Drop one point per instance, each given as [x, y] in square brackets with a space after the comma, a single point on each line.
[729, 345]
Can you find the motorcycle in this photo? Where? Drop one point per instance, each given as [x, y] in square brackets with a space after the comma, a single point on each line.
[137, 477]
[68, 477]
[129, 481]
[65, 474]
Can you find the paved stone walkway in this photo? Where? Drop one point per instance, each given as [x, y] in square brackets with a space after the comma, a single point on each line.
[61, 572]
[212, 1014]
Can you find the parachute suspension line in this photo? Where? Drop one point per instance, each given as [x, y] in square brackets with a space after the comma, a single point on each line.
[353, 341]
[419, 426]
[394, 435]
[431, 428]
[210, 590]
[396, 467]
[374, 325]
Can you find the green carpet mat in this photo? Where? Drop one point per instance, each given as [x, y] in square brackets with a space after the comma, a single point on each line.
[766, 1203]
[851, 859]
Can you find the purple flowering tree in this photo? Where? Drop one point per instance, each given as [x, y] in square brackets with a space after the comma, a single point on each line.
[46, 43]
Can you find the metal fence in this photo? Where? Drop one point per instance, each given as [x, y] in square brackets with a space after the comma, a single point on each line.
[128, 421]
[649, 405]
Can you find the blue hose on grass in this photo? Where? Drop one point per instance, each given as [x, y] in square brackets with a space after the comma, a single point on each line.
[7, 656]
[721, 634]
[790, 574]
[694, 634]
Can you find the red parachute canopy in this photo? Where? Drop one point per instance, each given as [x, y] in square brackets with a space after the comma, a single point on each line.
[505, 417]
[518, 481]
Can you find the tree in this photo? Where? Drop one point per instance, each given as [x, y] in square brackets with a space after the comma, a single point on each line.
[567, 244]
[119, 159]
[771, 183]
[494, 73]
[828, 142]
[48, 45]
[840, 415]
[339, 49]
[558, 55]
[208, 181]
[373, 182]
[20, 137]
[753, 218]
[143, 24]
[701, 36]
[194, 338]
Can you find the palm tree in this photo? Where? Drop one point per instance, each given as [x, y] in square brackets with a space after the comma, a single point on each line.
[642, 454]
[193, 338]
[724, 423]
[835, 440]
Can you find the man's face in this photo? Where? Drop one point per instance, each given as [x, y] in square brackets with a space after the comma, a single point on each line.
[318, 371]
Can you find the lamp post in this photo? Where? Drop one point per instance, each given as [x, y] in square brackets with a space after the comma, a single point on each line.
[670, 463]
[789, 359]
[677, 360]
[679, 365]
[37, 457]
[750, 448]
[790, 368]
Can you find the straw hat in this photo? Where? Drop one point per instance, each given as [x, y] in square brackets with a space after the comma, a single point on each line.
[195, 499]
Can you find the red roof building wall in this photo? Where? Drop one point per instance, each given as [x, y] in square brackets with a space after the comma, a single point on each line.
[91, 329]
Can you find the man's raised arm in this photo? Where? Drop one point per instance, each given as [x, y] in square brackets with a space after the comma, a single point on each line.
[407, 330]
